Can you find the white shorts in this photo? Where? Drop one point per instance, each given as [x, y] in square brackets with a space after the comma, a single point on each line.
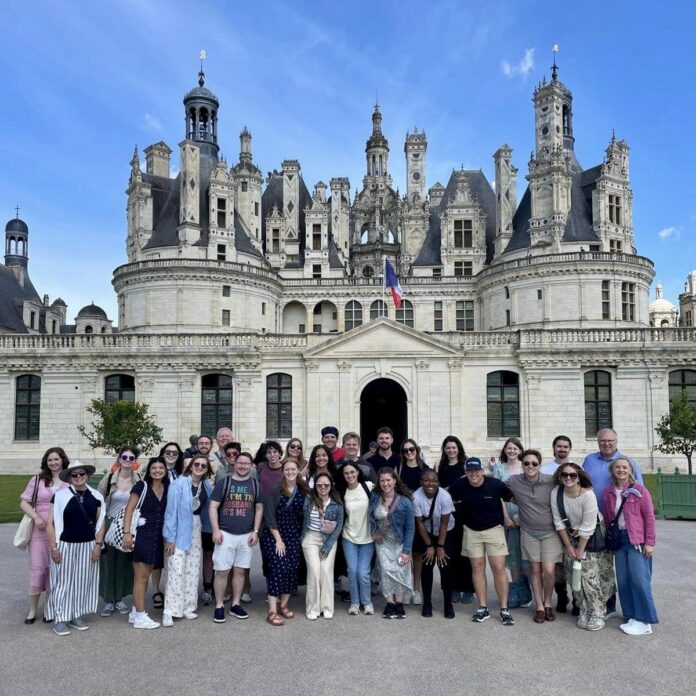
[234, 551]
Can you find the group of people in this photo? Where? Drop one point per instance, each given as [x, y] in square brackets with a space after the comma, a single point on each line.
[382, 522]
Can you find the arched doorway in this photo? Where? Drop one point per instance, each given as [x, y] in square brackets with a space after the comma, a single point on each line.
[383, 402]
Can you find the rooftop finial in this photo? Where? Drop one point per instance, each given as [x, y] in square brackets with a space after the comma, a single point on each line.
[17, 210]
[554, 67]
[376, 101]
[201, 74]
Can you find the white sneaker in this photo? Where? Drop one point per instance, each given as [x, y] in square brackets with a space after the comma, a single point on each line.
[167, 620]
[145, 621]
[131, 616]
[190, 615]
[628, 624]
[637, 628]
[312, 616]
[121, 607]
[328, 614]
[353, 610]
[246, 598]
[416, 598]
[107, 610]
[369, 610]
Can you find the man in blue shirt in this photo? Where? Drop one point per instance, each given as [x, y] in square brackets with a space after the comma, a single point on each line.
[596, 464]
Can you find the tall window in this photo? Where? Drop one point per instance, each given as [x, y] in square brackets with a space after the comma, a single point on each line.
[222, 213]
[464, 318]
[628, 301]
[404, 315]
[221, 252]
[354, 315]
[437, 316]
[503, 397]
[682, 380]
[279, 405]
[216, 403]
[463, 234]
[597, 401]
[378, 309]
[275, 240]
[119, 388]
[316, 270]
[606, 300]
[615, 209]
[225, 317]
[316, 237]
[27, 407]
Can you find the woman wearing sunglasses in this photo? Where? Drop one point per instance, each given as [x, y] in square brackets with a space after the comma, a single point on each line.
[323, 521]
[295, 450]
[116, 567]
[576, 528]
[187, 504]
[75, 533]
[541, 545]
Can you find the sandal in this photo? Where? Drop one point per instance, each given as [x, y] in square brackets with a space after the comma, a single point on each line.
[274, 619]
[286, 612]
[158, 600]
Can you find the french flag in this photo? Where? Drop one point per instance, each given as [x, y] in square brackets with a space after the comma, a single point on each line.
[392, 282]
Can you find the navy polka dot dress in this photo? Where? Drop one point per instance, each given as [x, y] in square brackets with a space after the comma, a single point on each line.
[149, 544]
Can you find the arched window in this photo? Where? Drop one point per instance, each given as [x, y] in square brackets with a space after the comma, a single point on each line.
[103, 329]
[27, 407]
[404, 315]
[682, 380]
[597, 401]
[216, 403]
[89, 329]
[279, 406]
[378, 309]
[353, 315]
[503, 401]
[119, 388]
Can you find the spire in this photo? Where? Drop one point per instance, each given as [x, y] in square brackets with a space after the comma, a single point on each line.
[376, 120]
[135, 161]
[201, 74]
[554, 67]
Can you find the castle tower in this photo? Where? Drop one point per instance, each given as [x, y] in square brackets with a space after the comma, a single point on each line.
[553, 115]
[247, 181]
[17, 247]
[687, 302]
[414, 148]
[377, 149]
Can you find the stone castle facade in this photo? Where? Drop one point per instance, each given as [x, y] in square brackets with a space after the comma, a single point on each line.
[252, 302]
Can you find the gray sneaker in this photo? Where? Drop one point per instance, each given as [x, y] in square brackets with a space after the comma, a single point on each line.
[583, 620]
[61, 629]
[596, 623]
[107, 610]
[78, 624]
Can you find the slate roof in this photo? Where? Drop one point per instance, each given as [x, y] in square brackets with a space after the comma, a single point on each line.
[11, 296]
[429, 254]
[579, 222]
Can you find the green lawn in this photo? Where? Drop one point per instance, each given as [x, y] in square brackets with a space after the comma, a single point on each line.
[12, 486]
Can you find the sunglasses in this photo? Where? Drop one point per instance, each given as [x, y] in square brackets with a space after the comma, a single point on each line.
[323, 485]
[531, 463]
[295, 446]
[569, 475]
[127, 457]
[231, 453]
[171, 453]
[78, 474]
[408, 450]
[199, 465]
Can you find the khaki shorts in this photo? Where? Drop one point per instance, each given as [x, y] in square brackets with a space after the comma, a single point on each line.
[489, 542]
[546, 550]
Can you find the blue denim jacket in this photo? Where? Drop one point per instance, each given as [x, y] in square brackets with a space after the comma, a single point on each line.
[178, 516]
[333, 511]
[403, 520]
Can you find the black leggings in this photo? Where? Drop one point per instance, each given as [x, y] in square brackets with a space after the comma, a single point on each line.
[445, 571]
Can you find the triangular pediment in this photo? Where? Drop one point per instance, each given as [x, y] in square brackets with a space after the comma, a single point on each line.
[382, 338]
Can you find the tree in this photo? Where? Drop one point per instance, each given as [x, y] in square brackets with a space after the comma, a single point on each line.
[121, 423]
[677, 429]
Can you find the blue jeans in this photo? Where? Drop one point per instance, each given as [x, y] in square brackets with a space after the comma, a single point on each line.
[633, 577]
[359, 560]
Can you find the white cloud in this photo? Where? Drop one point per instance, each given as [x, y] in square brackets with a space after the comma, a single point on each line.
[522, 68]
[152, 122]
[669, 233]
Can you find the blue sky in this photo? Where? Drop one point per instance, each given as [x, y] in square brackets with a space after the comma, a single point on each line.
[84, 82]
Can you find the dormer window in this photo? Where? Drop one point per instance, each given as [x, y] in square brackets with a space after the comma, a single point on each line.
[615, 209]
[463, 234]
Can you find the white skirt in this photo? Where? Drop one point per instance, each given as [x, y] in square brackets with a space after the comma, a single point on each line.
[74, 583]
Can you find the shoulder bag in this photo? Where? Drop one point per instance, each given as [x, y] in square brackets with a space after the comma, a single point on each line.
[26, 525]
[613, 533]
[116, 534]
[596, 542]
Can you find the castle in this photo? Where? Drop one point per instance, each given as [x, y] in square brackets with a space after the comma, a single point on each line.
[253, 302]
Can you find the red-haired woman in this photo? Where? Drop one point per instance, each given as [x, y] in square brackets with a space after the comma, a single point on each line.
[116, 567]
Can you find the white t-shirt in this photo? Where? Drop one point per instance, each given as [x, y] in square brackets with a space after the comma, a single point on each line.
[356, 527]
[443, 505]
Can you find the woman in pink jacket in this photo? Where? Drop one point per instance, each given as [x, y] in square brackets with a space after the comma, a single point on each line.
[634, 557]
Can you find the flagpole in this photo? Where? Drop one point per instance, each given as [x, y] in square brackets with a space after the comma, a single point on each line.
[384, 283]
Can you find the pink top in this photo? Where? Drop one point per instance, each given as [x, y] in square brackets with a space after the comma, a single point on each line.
[638, 513]
[43, 498]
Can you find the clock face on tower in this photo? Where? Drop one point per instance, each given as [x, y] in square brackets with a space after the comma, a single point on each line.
[415, 176]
